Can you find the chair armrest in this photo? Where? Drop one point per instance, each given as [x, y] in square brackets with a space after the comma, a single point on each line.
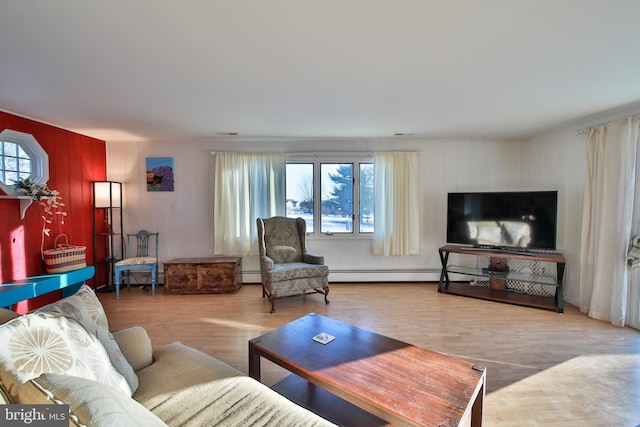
[135, 344]
[313, 259]
[266, 263]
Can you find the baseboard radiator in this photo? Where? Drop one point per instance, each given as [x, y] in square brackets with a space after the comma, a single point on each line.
[359, 275]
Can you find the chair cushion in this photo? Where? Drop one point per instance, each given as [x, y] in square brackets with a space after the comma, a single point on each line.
[296, 270]
[282, 240]
[90, 403]
[283, 253]
[137, 261]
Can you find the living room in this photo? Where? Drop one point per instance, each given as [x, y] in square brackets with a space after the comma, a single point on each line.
[547, 152]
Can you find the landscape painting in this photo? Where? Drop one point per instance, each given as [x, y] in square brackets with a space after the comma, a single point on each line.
[160, 174]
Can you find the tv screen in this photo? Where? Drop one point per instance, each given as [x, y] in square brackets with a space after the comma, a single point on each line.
[520, 219]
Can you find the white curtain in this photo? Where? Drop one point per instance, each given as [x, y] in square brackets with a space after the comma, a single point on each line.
[396, 206]
[607, 220]
[633, 307]
[247, 186]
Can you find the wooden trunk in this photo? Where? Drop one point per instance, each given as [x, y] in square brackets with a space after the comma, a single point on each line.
[214, 275]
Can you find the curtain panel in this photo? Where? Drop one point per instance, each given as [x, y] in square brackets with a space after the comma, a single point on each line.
[396, 204]
[607, 219]
[247, 186]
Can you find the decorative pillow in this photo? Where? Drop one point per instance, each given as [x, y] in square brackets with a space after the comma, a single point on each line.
[282, 253]
[90, 403]
[6, 315]
[85, 307]
[47, 342]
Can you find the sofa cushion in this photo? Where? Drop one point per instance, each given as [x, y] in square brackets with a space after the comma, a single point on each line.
[225, 396]
[177, 366]
[231, 402]
[41, 342]
[85, 307]
[135, 344]
[90, 403]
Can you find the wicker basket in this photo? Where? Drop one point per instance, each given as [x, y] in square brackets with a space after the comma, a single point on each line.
[64, 257]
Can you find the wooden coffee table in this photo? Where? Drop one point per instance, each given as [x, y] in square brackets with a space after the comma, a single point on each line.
[395, 381]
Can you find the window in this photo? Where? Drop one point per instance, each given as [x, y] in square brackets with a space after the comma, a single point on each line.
[366, 197]
[21, 157]
[300, 192]
[334, 197]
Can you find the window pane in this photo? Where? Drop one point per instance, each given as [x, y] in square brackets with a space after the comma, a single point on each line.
[10, 149]
[10, 177]
[366, 198]
[300, 192]
[11, 164]
[25, 166]
[22, 154]
[336, 186]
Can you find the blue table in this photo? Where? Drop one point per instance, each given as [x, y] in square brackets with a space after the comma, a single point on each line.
[31, 287]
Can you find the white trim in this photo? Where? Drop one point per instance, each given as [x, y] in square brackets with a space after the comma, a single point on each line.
[39, 157]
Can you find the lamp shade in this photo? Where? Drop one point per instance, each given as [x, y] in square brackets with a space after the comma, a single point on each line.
[107, 194]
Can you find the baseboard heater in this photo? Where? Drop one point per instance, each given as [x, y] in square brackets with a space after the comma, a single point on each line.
[360, 275]
[350, 275]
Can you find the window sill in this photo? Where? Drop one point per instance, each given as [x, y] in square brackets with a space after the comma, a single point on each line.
[340, 236]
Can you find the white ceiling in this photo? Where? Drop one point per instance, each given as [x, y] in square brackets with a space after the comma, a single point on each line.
[439, 69]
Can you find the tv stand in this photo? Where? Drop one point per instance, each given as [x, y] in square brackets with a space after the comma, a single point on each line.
[506, 284]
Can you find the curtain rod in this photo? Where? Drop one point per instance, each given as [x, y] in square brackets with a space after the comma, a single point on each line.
[333, 153]
[586, 130]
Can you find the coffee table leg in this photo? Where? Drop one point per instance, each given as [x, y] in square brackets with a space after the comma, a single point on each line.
[254, 362]
[477, 408]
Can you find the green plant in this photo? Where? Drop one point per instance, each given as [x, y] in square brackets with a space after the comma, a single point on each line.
[49, 199]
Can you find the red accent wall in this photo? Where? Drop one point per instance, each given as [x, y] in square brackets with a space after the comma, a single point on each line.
[74, 162]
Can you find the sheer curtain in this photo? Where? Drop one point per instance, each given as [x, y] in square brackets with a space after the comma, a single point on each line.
[396, 206]
[633, 308]
[607, 220]
[247, 186]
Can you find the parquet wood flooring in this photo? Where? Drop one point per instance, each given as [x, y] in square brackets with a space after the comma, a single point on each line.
[543, 368]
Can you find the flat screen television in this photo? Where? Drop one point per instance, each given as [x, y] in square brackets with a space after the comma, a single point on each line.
[518, 220]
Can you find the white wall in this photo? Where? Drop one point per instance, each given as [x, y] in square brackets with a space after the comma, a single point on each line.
[558, 161]
[552, 161]
[184, 217]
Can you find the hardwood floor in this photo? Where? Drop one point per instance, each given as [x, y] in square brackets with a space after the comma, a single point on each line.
[543, 368]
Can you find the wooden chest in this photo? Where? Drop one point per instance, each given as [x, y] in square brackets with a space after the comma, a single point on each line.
[216, 275]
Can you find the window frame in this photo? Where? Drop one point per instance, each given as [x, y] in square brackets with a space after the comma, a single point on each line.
[337, 158]
[38, 156]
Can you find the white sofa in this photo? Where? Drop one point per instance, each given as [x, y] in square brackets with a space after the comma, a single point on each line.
[65, 354]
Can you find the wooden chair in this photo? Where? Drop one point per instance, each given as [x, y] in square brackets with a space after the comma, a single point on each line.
[286, 267]
[141, 261]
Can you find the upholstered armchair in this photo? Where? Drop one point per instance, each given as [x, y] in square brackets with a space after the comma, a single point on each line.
[285, 265]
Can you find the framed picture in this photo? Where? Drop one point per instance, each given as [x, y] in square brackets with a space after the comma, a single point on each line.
[160, 174]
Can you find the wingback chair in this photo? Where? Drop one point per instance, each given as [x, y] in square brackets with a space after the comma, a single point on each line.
[285, 265]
